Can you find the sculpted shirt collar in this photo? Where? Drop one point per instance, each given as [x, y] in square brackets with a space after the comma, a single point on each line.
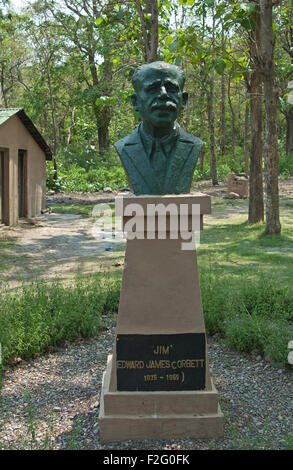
[166, 143]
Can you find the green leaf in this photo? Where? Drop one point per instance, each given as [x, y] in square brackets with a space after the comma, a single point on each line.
[237, 77]
[247, 6]
[220, 66]
[174, 45]
[209, 3]
[168, 40]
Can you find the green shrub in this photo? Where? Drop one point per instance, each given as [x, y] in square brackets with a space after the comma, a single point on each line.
[223, 171]
[44, 315]
[246, 333]
[253, 316]
[204, 174]
[286, 165]
[113, 288]
[76, 178]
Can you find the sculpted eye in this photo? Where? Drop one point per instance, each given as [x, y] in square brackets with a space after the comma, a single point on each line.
[172, 87]
[153, 87]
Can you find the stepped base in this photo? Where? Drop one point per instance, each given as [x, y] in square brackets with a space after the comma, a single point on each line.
[158, 415]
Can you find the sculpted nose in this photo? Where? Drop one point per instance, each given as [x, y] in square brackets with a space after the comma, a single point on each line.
[163, 91]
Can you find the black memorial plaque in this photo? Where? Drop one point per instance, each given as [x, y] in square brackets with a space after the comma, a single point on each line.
[161, 362]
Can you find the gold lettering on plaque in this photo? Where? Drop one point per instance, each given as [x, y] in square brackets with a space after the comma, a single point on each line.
[162, 364]
[187, 364]
[161, 350]
[130, 364]
[150, 378]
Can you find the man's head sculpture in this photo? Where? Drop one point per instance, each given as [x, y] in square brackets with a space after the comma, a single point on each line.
[159, 157]
[159, 96]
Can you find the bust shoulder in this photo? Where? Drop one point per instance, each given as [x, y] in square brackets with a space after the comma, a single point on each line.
[185, 137]
[129, 139]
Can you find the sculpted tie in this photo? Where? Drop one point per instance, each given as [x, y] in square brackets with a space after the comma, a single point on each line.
[158, 162]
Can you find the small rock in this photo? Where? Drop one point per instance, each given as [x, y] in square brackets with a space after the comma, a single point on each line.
[124, 190]
[57, 408]
[48, 210]
[95, 405]
[233, 196]
[95, 402]
[118, 263]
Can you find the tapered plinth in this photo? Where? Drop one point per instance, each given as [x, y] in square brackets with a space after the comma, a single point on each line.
[157, 383]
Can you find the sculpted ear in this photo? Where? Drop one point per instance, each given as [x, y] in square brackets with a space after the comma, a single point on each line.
[134, 101]
[184, 98]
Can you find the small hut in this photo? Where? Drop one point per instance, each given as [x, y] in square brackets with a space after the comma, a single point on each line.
[23, 155]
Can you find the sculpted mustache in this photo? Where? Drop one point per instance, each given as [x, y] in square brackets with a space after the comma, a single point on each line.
[165, 105]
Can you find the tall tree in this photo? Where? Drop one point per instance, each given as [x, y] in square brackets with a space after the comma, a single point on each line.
[148, 11]
[246, 17]
[271, 136]
[91, 28]
[254, 88]
[13, 55]
[223, 99]
[211, 110]
[246, 137]
[284, 41]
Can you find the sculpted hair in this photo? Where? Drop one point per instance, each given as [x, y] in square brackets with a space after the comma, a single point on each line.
[157, 65]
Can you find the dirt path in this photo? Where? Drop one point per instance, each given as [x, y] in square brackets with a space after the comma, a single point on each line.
[205, 186]
[61, 244]
[57, 245]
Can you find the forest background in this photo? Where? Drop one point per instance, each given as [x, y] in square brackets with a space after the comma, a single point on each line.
[69, 64]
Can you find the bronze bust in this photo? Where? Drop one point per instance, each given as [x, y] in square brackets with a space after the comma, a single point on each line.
[159, 157]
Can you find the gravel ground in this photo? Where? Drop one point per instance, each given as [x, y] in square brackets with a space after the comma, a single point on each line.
[64, 392]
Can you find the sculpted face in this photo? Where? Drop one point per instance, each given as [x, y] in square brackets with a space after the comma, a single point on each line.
[159, 96]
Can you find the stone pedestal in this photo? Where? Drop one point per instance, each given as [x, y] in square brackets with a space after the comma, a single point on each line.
[237, 184]
[157, 383]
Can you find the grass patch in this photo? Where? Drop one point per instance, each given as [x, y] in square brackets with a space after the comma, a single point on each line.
[7, 256]
[246, 282]
[85, 210]
[253, 317]
[241, 250]
[43, 315]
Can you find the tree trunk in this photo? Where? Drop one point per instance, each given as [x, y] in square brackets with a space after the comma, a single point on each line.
[149, 28]
[211, 120]
[254, 89]
[223, 102]
[256, 204]
[211, 115]
[271, 138]
[3, 91]
[56, 137]
[246, 138]
[232, 117]
[104, 139]
[289, 132]
[203, 149]
[101, 111]
[223, 115]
